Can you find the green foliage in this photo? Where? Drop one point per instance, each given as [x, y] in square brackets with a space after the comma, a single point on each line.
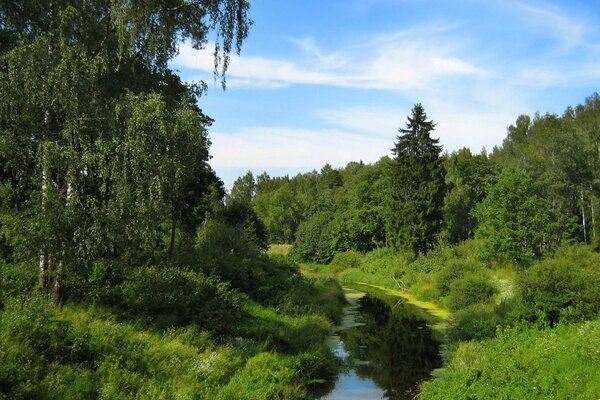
[243, 190]
[417, 186]
[243, 216]
[477, 322]
[313, 240]
[16, 280]
[104, 151]
[345, 260]
[469, 290]
[512, 219]
[468, 178]
[454, 270]
[558, 363]
[167, 296]
[563, 288]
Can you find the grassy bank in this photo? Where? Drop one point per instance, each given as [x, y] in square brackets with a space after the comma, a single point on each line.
[516, 331]
[247, 349]
[559, 363]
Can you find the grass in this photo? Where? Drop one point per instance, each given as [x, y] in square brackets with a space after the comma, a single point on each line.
[84, 351]
[282, 249]
[560, 363]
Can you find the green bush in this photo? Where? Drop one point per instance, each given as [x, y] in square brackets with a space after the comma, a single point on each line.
[453, 270]
[16, 280]
[345, 260]
[314, 240]
[30, 321]
[167, 296]
[472, 288]
[476, 322]
[564, 287]
[216, 240]
[385, 260]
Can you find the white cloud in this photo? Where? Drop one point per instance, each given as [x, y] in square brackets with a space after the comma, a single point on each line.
[455, 127]
[548, 19]
[406, 60]
[375, 121]
[269, 148]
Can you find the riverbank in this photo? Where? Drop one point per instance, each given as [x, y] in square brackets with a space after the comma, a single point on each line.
[527, 333]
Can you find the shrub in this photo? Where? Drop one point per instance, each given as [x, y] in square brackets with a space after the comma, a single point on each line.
[314, 239]
[345, 260]
[385, 260]
[16, 280]
[453, 270]
[215, 240]
[30, 321]
[266, 376]
[473, 288]
[168, 296]
[564, 287]
[477, 321]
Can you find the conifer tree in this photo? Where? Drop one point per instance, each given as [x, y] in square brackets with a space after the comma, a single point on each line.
[415, 207]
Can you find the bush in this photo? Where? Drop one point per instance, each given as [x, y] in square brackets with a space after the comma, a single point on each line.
[30, 321]
[314, 239]
[167, 296]
[476, 322]
[16, 280]
[216, 240]
[564, 287]
[347, 259]
[473, 288]
[266, 376]
[385, 260]
[453, 270]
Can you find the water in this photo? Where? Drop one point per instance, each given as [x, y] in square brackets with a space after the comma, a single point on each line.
[387, 346]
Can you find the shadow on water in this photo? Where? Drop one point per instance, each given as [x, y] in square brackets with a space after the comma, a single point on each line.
[388, 348]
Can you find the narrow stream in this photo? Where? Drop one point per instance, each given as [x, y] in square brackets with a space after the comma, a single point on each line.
[387, 346]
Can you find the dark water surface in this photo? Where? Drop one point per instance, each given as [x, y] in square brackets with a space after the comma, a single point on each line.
[387, 346]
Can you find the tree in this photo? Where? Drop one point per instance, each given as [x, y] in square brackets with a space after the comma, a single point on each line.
[99, 139]
[417, 186]
[468, 178]
[244, 189]
[513, 219]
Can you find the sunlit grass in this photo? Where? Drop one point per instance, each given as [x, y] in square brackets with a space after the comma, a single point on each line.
[282, 249]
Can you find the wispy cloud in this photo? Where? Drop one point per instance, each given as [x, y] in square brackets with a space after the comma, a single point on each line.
[569, 31]
[266, 148]
[406, 60]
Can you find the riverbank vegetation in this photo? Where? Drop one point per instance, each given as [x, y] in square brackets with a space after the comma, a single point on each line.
[507, 241]
[124, 271]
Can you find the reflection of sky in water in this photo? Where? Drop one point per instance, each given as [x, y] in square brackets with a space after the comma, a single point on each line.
[391, 348]
[350, 387]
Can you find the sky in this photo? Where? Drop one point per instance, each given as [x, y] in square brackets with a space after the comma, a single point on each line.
[331, 81]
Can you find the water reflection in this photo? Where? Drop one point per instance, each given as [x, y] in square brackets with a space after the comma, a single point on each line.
[388, 355]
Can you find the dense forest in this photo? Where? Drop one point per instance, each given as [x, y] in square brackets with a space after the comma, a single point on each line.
[526, 198]
[506, 241]
[127, 270]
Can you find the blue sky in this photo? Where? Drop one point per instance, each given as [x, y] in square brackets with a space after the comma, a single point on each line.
[331, 81]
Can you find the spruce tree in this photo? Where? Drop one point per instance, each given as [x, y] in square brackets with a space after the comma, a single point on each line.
[417, 184]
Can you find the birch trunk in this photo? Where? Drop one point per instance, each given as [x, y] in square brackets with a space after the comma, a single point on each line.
[583, 218]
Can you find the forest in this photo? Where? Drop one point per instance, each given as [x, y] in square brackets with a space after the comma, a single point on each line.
[127, 270]
[506, 241]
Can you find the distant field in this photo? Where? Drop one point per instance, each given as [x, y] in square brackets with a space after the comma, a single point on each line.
[279, 249]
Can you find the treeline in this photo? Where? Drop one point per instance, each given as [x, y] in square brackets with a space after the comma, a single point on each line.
[538, 190]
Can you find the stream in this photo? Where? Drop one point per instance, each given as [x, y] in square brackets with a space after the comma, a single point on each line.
[387, 348]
